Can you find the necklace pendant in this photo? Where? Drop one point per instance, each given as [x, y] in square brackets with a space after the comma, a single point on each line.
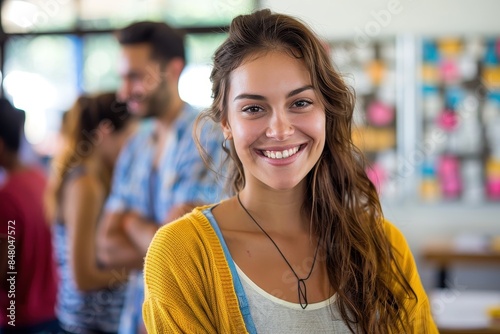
[302, 291]
[301, 282]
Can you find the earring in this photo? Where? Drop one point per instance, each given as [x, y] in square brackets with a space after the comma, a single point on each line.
[224, 144]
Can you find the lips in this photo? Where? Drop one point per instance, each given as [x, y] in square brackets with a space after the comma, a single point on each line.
[282, 154]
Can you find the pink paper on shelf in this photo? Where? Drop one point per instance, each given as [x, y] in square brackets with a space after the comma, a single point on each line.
[449, 70]
[377, 174]
[447, 120]
[493, 188]
[449, 176]
[380, 114]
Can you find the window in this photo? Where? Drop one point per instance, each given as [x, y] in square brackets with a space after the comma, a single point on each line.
[194, 85]
[57, 49]
[41, 78]
[38, 15]
[22, 16]
[100, 52]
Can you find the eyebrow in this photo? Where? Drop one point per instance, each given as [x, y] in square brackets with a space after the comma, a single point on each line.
[262, 98]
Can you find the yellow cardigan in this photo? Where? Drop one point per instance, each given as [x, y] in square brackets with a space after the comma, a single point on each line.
[189, 286]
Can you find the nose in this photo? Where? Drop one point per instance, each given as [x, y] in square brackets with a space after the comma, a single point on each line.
[280, 127]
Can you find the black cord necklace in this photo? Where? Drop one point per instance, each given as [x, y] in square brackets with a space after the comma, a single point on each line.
[301, 282]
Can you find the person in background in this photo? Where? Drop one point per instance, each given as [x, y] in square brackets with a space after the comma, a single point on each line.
[60, 141]
[303, 246]
[28, 276]
[90, 296]
[160, 174]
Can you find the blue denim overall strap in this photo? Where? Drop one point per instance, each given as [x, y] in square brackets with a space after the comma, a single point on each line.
[238, 287]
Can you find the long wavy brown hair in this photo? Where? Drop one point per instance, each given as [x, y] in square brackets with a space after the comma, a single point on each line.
[344, 207]
[80, 136]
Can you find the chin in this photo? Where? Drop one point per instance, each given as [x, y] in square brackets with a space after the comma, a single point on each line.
[283, 186]
[140, 113]
[138, 109]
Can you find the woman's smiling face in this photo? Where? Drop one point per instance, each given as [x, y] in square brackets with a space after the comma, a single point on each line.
[276, 120]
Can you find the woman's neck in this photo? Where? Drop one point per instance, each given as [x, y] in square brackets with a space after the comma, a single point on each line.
[281, 211]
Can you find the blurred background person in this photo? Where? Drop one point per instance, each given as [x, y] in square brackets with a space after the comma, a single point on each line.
[27, 300]
[61, 136]
[160, 174]
[90, 296]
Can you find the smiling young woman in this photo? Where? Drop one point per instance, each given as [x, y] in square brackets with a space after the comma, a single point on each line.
[277, 119]
[302, 246]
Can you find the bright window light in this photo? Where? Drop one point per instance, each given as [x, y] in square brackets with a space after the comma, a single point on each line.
[195, 86]
[35, 95]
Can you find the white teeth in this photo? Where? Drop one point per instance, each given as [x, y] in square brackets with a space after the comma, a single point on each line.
[281, 154]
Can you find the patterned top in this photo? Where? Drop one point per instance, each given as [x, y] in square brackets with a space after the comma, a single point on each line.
[77, 311]
[181, 177]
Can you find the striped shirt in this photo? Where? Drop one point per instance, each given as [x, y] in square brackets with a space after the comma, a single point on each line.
[180, 177]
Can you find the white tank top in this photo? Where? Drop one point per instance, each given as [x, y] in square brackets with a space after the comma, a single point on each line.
[273, 315]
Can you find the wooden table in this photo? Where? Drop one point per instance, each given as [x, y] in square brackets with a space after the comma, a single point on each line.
[444, 253]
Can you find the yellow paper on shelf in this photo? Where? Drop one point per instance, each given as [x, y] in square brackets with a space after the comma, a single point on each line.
[495, 243]
[491, 76]
[493, 168]
[449, 46]
[494, 315]
[371, 139]
[429, 190]
[430, 73]
[494, 311]
[376, 71]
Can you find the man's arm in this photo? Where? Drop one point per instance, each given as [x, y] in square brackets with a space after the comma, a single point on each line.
[114, 248]
[193, 188]
[141, 231]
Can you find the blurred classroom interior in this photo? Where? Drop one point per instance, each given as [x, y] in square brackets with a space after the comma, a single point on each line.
[427, 81]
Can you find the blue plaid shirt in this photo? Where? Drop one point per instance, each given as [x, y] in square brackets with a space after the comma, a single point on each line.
[181, 177]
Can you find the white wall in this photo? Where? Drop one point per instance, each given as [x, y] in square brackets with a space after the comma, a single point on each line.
[345, 19]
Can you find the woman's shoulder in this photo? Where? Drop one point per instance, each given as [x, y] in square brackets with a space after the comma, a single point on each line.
[84, 183]
[189, 231]
[393, 233]
[419, 308]
[178, 250]
[400, 246]
[401, 249]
